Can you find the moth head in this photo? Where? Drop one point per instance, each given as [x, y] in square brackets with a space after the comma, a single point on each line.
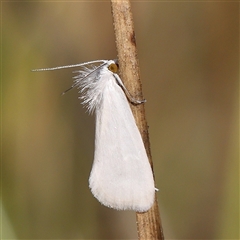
[113, 67]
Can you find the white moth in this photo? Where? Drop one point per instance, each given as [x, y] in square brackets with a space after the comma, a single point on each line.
[121, 176]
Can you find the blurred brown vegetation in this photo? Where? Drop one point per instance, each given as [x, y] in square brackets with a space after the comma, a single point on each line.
[189, 59]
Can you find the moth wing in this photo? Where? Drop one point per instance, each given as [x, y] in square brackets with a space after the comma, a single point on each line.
[121, 175]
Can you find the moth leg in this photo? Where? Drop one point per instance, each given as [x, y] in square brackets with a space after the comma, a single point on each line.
[129, 96]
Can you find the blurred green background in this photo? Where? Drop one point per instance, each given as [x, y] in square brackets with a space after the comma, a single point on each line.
[189, 61]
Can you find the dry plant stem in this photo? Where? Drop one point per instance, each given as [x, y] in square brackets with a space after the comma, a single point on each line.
[148, 223]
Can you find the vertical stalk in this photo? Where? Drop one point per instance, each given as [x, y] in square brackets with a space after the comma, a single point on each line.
[148, 223]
